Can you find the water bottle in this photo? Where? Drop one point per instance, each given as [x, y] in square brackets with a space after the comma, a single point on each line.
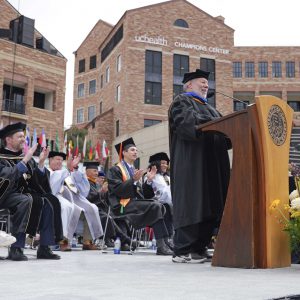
[154, 244]
[117, 246]
[74, 242]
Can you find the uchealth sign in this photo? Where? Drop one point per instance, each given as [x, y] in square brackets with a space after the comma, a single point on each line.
[160, 40]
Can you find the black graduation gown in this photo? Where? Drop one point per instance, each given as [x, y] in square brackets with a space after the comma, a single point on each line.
[200, 166]
[36, 185]
[140, 212]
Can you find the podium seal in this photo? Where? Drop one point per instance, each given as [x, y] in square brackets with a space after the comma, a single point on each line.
[277, 125]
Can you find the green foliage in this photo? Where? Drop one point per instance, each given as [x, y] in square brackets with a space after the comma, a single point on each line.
[73, 132]
[293, 228]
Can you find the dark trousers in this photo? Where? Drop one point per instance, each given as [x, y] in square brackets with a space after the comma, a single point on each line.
[193, 238]
[160, 229]
[168, 219]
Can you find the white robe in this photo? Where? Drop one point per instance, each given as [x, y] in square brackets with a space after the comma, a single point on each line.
[91, 211]
[70, 212]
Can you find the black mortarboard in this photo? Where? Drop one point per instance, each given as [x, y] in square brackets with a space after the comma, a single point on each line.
[11, 129]
[55, 153]
[197, 74]
[124, 146]
[91, 165]
[158, 157]
[101, 173]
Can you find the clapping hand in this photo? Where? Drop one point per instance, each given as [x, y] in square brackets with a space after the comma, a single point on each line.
[151, 173]
[29, 154]
[73, 162]
[138, 174]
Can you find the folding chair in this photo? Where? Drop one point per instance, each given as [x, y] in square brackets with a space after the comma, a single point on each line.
[5, 222]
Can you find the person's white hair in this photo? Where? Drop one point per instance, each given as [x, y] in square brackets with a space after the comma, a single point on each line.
[185, 86]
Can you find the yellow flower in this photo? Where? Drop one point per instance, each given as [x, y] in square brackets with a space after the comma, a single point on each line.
[295, 214]
[274, 204]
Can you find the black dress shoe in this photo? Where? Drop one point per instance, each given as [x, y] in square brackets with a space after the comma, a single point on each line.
[169, 243]
[16, 254]
[44, 252]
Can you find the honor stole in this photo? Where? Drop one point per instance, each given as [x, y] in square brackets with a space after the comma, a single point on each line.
[125, 176]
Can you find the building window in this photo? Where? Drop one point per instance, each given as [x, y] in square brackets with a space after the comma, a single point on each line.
[211, 97]
[237, 69]
[101, 109]
[208, 65]
[113, 42]
[107, 73]
[43, 100]
[149, 122]
[118, 93]
[81, 67]
[93, 62]
[92, 87]
[249, 69]
[272, 93]
[293, 100]
[101, 81]
[153, 62]
[119, 63]
[290, 69]
[181, 23]
[80, 115]
[153, 93]
[80, 92]
[276, 69]
[177, 90]
[13, 99]
[180, 65]
[91, 112]
[239, 105]
[263, 69]
[117, 128]
[248, 97]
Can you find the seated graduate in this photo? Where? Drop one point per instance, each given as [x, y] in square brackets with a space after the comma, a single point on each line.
[99, 195]
[158, 187]
[28, 195]
[70, 212]
[126, 196]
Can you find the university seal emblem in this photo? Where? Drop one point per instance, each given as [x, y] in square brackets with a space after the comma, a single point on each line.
[277, 125]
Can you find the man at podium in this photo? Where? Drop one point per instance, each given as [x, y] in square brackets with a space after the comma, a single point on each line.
[200, 170]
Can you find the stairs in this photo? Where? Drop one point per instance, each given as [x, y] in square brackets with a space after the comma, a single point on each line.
[295, 146]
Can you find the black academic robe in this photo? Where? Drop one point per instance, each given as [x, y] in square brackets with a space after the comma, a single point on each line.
[139, 211]
[33, 183]
[200, 166]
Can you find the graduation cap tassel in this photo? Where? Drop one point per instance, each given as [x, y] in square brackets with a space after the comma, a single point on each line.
[120, 152]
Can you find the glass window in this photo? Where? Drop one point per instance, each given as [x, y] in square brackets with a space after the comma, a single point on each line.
[290, 69]
[81, 67]
[119, 63]
[180, 65]
[80, 115]
[80, 92]
[293, 100]
[239, 105]
[272, 93]
[117, 128]
[13, 99]
[92, 87]
[39, 100]
[91, 112]
[263, 69]
[208, 65]
[93, 62]
[153, 93]
[249, 69]
[107, 74]
[153, 62]
[118, 93]
[248, 97]
[237, 69]
[177, 90]
[101, 81]
[149, 122]
[276, 69]
[181, 23]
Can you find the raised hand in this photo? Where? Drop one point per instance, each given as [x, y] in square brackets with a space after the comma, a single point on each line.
[138, 174]
[29, 154]
[151, 173]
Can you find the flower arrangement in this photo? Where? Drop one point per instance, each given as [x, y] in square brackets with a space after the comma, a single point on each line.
[291, 223]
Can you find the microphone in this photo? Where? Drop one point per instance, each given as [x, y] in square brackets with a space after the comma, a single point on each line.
[212, 93]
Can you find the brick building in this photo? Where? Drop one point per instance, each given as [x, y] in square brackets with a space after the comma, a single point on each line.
[32, 75]
[134, 69]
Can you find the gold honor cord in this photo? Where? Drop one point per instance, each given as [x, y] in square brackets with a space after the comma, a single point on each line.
[11, 157]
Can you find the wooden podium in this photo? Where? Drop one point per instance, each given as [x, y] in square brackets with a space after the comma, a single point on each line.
[250, 236]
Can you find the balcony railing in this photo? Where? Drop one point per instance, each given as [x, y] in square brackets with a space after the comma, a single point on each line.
[13, 106]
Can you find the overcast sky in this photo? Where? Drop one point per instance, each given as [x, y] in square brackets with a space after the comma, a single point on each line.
[65, 23]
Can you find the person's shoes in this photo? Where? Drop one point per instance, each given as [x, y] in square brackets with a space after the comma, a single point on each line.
[44, 252]
[162, 248]
[64, 246]
[90, 247]
[16, 254]
[125, 247]
[6, 239]
[191, 258]
[169, 243]
[181, 258]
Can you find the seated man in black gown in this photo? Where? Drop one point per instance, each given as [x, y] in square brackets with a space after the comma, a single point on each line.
[126, 196]
[26, 193]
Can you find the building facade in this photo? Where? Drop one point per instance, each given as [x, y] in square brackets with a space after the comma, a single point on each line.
[134, 69]
[32, 75]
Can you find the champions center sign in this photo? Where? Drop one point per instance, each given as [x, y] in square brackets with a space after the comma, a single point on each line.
[162, 41]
